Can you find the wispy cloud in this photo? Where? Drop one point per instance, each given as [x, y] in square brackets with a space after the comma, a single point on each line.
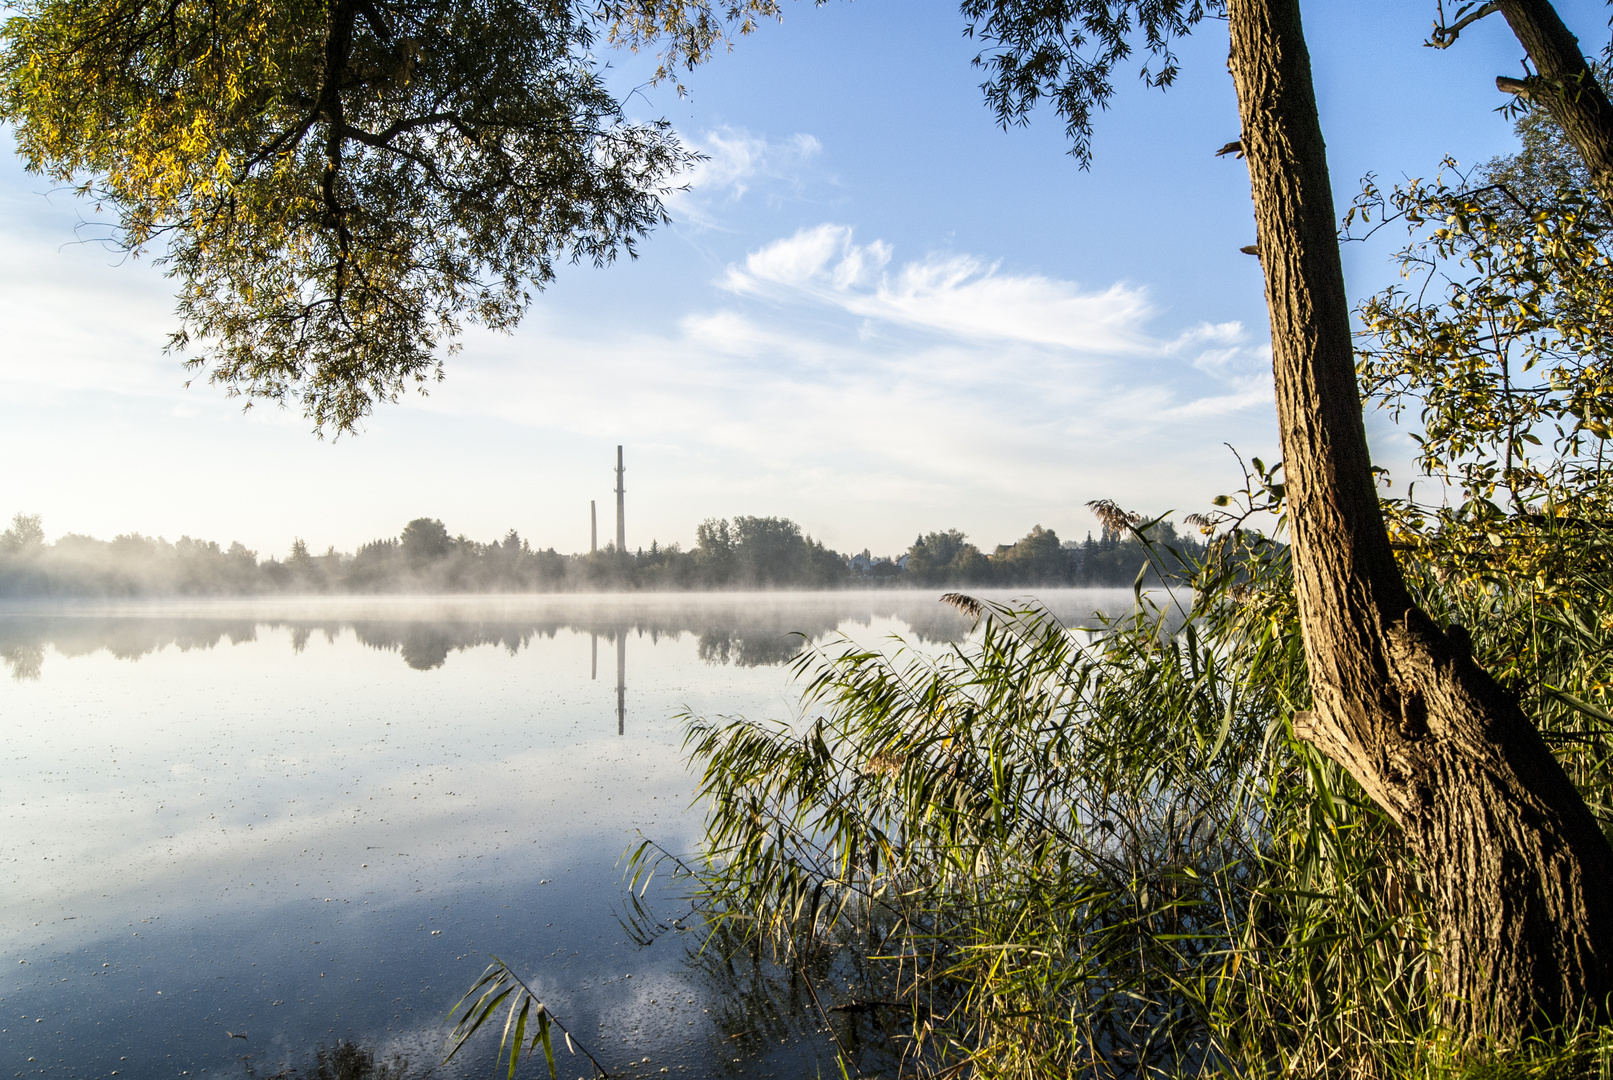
[1240, 375]
[966, 299]
[956, 295]
[734, 162]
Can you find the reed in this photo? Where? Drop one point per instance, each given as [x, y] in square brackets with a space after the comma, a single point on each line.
[1100, 852]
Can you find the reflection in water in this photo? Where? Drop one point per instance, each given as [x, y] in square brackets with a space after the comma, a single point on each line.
[307, 843]
[24, 658]
[621, 672]
[743, 630]
[777, 1012]
[345, 1061]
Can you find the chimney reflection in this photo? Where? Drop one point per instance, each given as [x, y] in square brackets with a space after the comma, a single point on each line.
[621, 681]
[593, 672]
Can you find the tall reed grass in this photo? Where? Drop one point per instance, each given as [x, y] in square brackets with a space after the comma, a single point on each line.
[1057, 852]
[1101, 852]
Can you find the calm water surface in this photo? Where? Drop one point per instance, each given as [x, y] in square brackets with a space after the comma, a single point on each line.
[312, 821]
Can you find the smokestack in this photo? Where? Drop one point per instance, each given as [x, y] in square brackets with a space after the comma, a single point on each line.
[621, 522]
[593, 527]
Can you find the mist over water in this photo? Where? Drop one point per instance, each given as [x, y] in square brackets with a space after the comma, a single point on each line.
[306, 820]
[744, 553]
[746, 629]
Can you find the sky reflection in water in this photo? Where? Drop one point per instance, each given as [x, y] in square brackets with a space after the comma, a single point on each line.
[305, 821]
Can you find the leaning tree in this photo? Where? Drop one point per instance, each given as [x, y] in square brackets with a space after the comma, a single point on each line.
[337, 183]
[1518, 869]
[1520, 873]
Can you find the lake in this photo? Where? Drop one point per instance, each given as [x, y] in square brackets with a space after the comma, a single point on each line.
[310, 821]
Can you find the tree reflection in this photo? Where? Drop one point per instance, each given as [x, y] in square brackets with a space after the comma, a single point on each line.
[24, 658]
[346, 1061]
[742, 630]
[810, 1010]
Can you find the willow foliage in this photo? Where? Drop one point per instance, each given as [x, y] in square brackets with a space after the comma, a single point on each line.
[1497, 348]
[1065, 53]
[335, 186]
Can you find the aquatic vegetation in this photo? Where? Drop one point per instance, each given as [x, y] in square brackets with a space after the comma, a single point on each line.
[501, 993]
[1058, 852]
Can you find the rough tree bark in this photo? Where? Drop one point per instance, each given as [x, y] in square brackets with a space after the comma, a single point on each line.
[1521, 875]
[1563, 85]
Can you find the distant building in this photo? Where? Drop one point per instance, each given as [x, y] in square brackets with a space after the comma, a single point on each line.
[867, 565]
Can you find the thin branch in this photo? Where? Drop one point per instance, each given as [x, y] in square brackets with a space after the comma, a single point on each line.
[1444, 36]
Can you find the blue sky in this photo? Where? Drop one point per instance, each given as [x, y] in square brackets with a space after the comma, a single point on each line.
[877, 313]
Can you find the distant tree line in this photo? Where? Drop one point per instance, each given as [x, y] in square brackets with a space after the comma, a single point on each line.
[729, 553]
[1115, 558]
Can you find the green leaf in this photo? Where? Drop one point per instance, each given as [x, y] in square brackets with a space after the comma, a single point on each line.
[543, 1034]
[520, 1032]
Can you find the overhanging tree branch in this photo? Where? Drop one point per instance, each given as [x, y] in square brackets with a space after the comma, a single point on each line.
[1445, 34]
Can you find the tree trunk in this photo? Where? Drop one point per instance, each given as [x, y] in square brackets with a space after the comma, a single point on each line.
[1564, 86]
[1521, 876]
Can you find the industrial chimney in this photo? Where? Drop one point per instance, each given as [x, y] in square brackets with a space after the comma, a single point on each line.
[593, 527]
[621, 522]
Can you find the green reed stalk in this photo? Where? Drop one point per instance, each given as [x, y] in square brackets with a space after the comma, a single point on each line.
[1067, 853]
